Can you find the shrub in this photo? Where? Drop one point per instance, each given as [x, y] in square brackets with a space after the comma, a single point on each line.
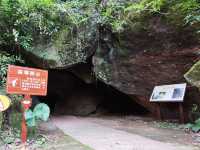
[6, 59]
[195, 127]
[24, 22]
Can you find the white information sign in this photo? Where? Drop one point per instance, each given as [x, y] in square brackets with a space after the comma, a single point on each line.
[168, 93]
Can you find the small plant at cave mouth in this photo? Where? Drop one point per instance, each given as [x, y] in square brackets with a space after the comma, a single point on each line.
[40, 113]
[195, 127]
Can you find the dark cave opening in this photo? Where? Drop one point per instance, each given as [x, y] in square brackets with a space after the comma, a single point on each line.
[116, 102]
[70, 95]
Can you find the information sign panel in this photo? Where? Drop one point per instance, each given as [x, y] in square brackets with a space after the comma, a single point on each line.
[27, 81]
[168, 93]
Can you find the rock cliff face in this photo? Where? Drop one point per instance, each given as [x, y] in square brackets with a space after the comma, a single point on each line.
[132, 61]
[135, 64]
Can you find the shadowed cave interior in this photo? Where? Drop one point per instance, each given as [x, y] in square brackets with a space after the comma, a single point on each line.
[68, 94]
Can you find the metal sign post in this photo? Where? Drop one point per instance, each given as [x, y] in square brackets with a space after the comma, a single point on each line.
[26, 81]
[26, 103]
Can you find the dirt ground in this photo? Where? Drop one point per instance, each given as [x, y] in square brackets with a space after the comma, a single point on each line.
[127, 133]
[165, 131]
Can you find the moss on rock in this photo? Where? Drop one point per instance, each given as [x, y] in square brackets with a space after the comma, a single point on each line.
[71, 45]
[193, 75]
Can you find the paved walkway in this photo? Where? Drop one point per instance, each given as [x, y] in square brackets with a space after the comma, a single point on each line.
[100, 137]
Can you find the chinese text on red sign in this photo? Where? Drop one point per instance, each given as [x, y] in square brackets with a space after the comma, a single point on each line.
[27, 81]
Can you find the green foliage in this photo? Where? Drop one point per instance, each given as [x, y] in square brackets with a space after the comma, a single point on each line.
[147, 5]
[22, 19]
[12, 117]
[32, 5]
[113, 15]
[9, 136]
[30, 118]
[79, 11]
[41, 112]
[193, 19]
[122, 14]
[179, 11]
[15, 119]
[6, 59]
[24, 22]
[167, 125]
[195, 108]
[194, 127]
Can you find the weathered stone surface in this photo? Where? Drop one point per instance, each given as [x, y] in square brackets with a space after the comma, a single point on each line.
[82, 102]
[44, 56]
[57, 55]
[135, 62]
[139, 73]
[68, 47]
[193, 75]
[84, 72]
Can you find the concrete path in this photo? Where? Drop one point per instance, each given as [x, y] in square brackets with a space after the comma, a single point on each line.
[100, 137]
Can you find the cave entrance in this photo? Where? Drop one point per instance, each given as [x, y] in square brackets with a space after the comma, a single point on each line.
[115, 102]
[70, 95]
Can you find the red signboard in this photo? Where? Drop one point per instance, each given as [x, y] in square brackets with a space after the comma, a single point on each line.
[27, 81]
